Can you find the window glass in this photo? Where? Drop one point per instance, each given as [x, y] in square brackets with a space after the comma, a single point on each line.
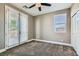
[60, 23]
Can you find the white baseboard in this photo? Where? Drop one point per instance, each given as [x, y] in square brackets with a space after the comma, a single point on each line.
[26, 41]
[52, 42]
[12, 46]
[2, 50]
[18, 44]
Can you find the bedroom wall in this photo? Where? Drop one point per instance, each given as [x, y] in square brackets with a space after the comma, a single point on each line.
[44, 27]
[2, 43]
[30, 27]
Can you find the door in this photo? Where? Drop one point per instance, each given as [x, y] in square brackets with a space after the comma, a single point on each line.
[23, 28]
[12, 24]
[75, 32]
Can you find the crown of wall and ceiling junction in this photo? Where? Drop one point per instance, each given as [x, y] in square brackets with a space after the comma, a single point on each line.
[44, 9]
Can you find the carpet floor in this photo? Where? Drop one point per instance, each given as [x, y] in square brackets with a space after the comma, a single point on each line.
[36, 48]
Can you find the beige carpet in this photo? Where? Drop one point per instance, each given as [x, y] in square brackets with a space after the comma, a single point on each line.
[36, 48]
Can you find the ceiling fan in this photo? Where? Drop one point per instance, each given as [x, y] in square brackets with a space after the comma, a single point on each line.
[38, 5]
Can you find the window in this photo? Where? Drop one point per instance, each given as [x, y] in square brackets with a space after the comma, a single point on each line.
[60, 23]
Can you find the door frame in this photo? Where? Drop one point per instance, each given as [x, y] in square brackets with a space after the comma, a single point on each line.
[6, 26]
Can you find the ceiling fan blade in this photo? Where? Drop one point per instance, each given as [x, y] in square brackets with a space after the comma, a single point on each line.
[39, 8]
[25, 6]
[32, 6]
[46, 4]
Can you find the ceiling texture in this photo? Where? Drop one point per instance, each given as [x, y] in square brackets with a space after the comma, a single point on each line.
[45, 9]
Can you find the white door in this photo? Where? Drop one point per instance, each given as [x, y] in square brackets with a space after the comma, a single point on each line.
[12, 27]
[23, 28]
[75, 32]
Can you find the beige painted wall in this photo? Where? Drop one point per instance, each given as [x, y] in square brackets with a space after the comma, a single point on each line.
[45, 27]
[2, 45]
[30, 27]
[74, 36]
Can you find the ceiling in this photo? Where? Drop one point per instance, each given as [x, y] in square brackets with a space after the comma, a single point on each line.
[45, 9]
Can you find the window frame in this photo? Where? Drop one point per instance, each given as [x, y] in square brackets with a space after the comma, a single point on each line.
[61, 24]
